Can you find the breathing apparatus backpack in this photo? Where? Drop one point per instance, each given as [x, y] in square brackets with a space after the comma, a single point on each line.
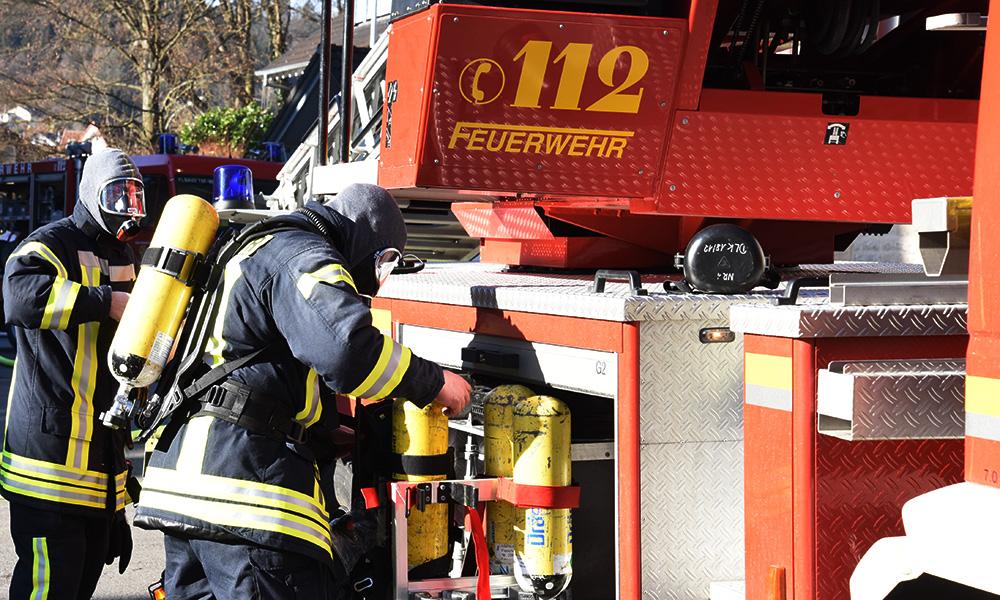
[184, 378]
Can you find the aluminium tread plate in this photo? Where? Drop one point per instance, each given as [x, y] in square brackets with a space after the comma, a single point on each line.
[486, 285]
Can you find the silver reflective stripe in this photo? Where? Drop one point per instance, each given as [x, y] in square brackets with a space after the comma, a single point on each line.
[982, 426]
[235, 515]
[225, 489]
[22, 486]
[60, 304]
[45, 253]
[88, 259]
[122, 273]
[329, 274]
[40, 574]
[386, 375]
[769, 397]
[84, 373]
[37, 468]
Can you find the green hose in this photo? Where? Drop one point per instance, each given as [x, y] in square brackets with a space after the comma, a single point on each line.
[7, 362]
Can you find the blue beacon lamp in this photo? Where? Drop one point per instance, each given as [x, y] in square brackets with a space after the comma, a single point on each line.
[232, 188]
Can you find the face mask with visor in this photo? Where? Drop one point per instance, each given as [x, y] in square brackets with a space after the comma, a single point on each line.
[122, 204]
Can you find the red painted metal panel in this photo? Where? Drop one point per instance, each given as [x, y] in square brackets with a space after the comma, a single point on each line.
[843, 495]
[701, 20]
[860, 488]
[804, 434]
[983, 455]
[506, 220]
[412, 44]
[763, 155]
[629, 509]
[550, 329]
[571, 252]
[532, 101]
[767, 481]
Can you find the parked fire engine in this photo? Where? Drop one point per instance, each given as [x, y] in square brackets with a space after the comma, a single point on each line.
[33, 194]
[659, 189]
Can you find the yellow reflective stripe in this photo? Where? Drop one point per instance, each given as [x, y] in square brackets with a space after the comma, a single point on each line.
[769, 370]
[59, 306]
[312, 410]
[216, 343]
[330, 274]
[84, 382]
[40, 572]
[40, 469]
[47, 481]
[192, 454]
[120, 490]
[388, 372]
[237, 503]
[43, 251]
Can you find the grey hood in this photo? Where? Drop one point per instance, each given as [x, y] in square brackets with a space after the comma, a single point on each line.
[105, 165]
[375, 221]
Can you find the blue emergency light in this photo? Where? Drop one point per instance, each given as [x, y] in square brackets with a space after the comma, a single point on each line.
[233, 188]
[168, 143]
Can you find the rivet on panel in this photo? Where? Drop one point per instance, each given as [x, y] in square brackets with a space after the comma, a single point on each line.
[684, 121]
[539, 166]
[673, 188]
[836, 194]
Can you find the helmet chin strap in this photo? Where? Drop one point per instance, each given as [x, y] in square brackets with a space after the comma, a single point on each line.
[128, 230]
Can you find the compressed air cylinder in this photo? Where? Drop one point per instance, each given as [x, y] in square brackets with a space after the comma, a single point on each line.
[543, 543]
[422, 432]
[498, 429]
[159, 299]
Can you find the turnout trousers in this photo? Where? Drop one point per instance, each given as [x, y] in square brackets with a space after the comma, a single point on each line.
[59, 555]
[199, 569]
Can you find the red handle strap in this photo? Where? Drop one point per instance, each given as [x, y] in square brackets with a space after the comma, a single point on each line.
[538, 496]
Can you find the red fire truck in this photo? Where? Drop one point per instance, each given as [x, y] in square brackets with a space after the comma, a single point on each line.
[35, 193]
[754, 442]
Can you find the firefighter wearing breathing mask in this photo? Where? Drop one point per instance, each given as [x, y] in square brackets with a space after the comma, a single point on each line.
[65, 287]
[236, 489]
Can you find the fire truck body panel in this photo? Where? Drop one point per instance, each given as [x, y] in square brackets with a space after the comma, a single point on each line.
[777, 459]
[667, 407]
[570, 111]
[36, 193]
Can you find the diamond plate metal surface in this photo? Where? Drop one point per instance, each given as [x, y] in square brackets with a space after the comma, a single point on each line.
[873, 178]
[486, 285]
[499, 142]
[860, 490]
[689, 391]
[893, 399]
[825, 320]
[692, 518]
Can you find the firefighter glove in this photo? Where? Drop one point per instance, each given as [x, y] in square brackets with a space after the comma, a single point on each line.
[119, 542]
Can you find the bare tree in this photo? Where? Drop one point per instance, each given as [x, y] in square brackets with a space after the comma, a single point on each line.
[136, 67]
[109, 62]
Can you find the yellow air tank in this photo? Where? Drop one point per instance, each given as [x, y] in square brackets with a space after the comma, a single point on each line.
[498, 419]
[543, 543]
[422, 432]
[159, 299]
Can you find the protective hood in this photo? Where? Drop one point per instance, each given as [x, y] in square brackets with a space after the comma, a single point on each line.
[374, 222]
[101, 168]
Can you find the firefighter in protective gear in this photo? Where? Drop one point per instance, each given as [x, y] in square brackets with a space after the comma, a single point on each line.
[64, 474]
[237, 490]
